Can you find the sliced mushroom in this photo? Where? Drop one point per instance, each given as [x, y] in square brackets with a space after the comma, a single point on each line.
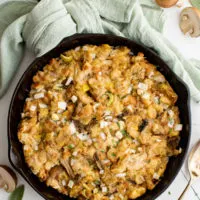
[166, 3]
[97, 160]
[190, 21]
[8, 179]
[67, 166]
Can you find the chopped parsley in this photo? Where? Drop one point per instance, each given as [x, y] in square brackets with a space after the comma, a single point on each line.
[124, 132]
[97, 182]
[118, 124]
[169, 193]
[113, 154]
[71, 146]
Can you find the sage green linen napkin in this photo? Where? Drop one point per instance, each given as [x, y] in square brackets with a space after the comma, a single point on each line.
[41, 26]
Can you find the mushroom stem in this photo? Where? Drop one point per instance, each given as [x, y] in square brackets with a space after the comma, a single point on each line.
[97, 160]
[8, 179]
[186, 27]
[66, 165]
[2, 183]
[190, 21]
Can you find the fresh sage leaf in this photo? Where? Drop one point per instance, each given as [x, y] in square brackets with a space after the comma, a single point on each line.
[195, 3]
[17, 194]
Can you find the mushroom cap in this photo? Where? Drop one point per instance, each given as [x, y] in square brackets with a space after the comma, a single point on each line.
[166, 3]
[190, 21]
[8, 179]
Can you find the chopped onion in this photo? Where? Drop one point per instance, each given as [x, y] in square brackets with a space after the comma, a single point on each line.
[94, 139]
[72, 162]
[158, 140]
[119, 135]
[42, 105]
[171, 113]
[95, 106]
[77, 48]
[129, 107]
[140, 149]
[75, 153]
[105, 161]
[55, 117]
[121, 196]
[72, 128]
[62, 105]
[39, 96]
[135, 141]
[130, 89]
[101, 171]
[156, 176]
[103, 136]
[107, 112]
[120, 175]
[151, 74]
[85, 48]
[132, 151]
[26, 147]
[71, 184]
[157, 100]
[104, 189]
[171, 123]
[69, 80]
[103, 124]
[121, 124]
[178, 127]
[33, 108]
[159, 79]
[74, 99]
[36, 148]
[93, 55]
[108, 118]
[29, 99]
[142, 86]
[146, 96]
[64, 183]
[111, 197]
[82, 136]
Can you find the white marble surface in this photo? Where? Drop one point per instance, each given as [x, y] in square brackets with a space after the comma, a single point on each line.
[189, 47]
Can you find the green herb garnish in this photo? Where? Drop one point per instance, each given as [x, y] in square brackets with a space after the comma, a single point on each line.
[113, 154]
[118, 124]
[17, 194]
[71, 146]
[97, 182]
[124, 132]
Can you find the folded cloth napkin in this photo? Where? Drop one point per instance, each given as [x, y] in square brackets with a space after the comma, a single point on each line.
[41, 26]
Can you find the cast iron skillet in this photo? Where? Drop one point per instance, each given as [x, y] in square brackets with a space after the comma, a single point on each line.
[16, 156]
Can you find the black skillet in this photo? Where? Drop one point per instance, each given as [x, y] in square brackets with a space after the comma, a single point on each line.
[16, 156]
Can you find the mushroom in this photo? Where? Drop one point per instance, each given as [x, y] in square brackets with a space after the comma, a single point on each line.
[190, 21]
[97, 160]
[66, 165]
[8, 179]
[166, 3]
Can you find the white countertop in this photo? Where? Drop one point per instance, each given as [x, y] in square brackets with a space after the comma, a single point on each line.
[189, 47]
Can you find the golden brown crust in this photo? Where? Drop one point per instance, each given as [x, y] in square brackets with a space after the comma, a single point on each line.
[100, 123]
